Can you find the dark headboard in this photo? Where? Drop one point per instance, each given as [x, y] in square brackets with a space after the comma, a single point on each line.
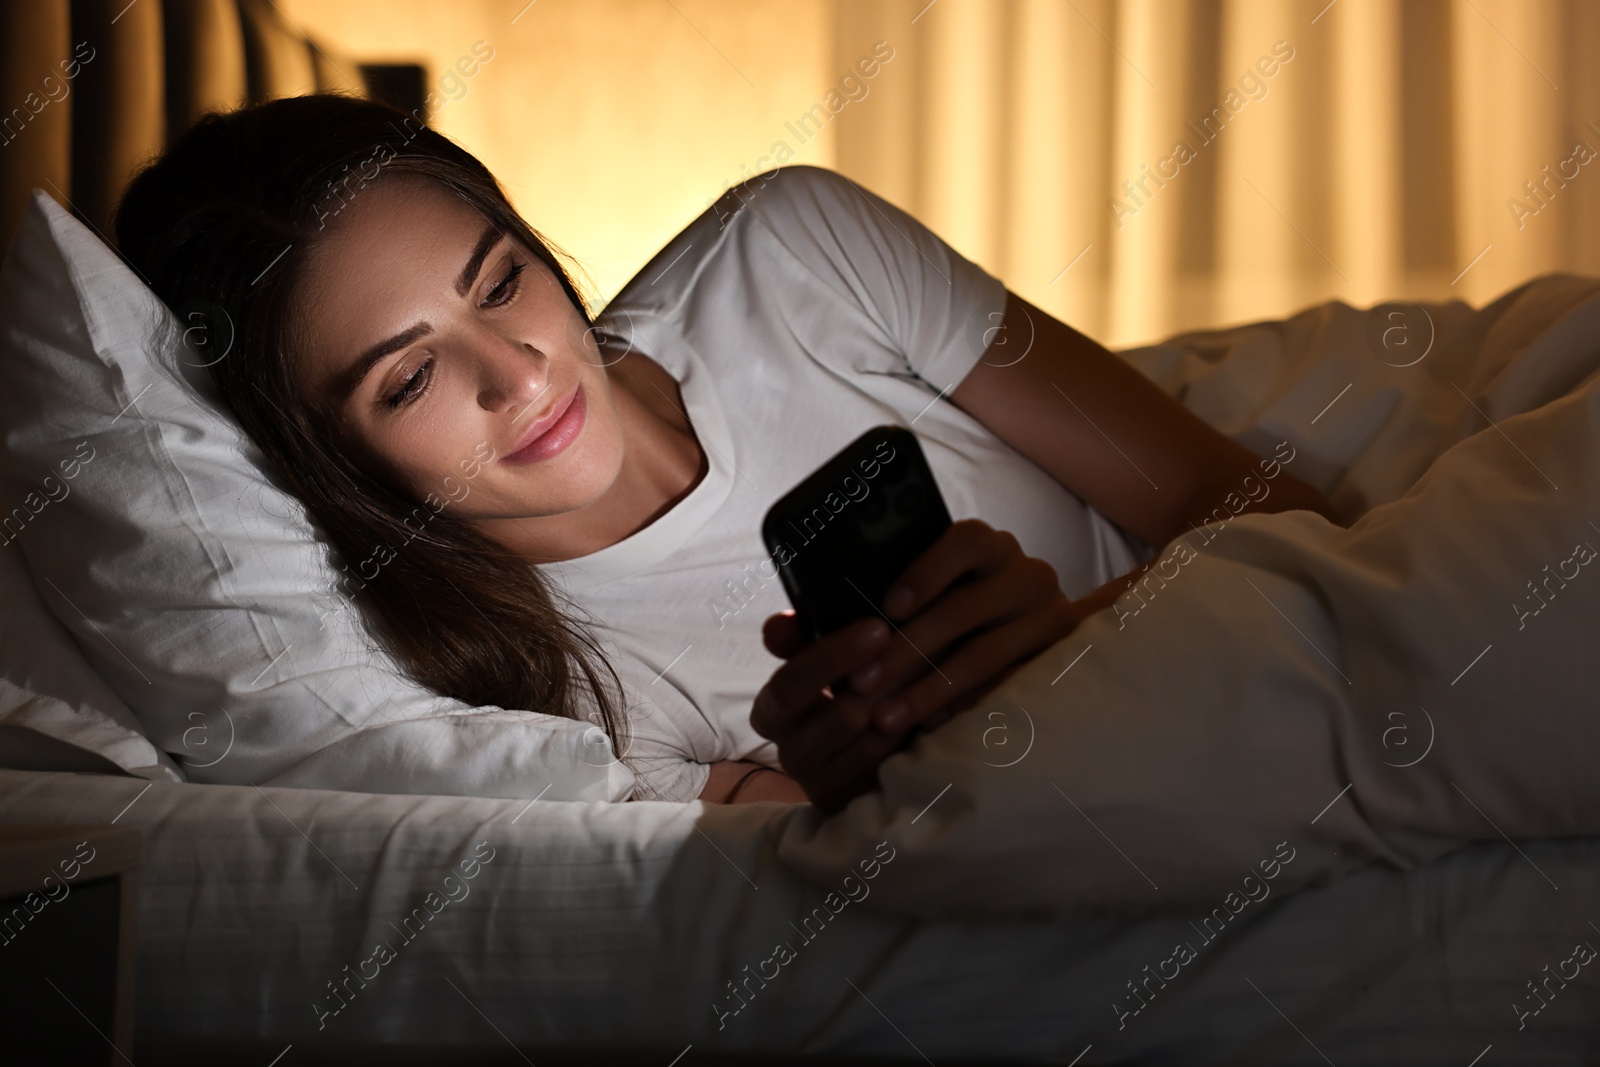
[90, 89]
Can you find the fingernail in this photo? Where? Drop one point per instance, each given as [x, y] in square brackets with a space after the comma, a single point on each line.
[892, 716]
[875, 632]
[898, 602]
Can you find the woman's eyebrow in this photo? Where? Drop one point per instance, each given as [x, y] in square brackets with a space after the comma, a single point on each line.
[348, 382]
[480, 252]
[356, 373]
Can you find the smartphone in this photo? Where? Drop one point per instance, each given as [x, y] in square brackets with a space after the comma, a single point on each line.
[841, 537]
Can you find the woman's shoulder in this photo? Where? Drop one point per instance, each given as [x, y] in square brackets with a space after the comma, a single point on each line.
[785, 193]
[794, 208]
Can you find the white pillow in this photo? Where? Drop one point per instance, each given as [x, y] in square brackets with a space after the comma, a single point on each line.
[196, 587]
[55, 712]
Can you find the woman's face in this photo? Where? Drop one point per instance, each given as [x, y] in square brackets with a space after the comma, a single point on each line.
[448, 353]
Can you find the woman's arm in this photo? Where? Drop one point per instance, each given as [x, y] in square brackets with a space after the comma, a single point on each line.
[745, 781]
[1108, 433]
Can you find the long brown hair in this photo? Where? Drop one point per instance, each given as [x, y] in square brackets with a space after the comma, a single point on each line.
[224, 221]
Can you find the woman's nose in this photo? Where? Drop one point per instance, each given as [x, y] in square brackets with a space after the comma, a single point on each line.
[512, 376]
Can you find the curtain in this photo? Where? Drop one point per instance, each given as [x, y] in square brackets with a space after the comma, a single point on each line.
[1142, 167]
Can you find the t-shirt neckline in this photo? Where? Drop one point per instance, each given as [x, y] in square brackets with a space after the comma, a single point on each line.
[657, 338]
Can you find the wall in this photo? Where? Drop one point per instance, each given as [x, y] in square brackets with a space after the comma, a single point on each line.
[611, 123]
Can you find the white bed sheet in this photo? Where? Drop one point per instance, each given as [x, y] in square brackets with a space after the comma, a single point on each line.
[606, 925]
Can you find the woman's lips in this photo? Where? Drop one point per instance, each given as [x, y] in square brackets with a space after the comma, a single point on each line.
[554, 433]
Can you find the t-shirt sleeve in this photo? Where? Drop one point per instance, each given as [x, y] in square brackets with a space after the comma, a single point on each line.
[666, 776]
[938, 309]
[661, 735]
[661, 768]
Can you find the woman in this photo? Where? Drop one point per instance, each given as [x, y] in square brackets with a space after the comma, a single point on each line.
[399, 330]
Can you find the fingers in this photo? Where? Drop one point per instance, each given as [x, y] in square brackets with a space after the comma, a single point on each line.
[822, 738]
[783, 635]
[795, 687]
[815, 741]
[834, 771]
[1023, 584]
[975, 667]
[968, 545]
[973, 601]
[854, 770]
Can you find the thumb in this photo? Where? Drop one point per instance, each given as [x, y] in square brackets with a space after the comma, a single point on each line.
[783, 635]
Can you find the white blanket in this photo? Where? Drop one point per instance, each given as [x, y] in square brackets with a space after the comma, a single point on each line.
[1386, 692]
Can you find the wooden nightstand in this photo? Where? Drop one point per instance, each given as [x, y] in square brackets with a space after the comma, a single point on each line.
[68, 903]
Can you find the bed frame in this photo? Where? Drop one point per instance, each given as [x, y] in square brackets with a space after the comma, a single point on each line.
[90, 89]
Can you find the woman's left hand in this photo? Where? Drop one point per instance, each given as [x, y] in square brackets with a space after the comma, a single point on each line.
[976, 606]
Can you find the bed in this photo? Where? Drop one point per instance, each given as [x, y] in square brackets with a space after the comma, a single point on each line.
[1338, 849]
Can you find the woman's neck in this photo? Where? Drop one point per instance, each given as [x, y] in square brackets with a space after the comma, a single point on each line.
[662, 463]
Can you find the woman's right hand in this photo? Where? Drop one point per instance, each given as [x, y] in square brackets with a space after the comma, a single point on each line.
[824, 740]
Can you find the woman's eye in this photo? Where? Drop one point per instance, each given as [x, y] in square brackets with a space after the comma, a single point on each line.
[505, 289]
[412, 388]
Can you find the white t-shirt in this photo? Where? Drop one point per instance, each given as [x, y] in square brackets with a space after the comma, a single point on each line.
[796, 313]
